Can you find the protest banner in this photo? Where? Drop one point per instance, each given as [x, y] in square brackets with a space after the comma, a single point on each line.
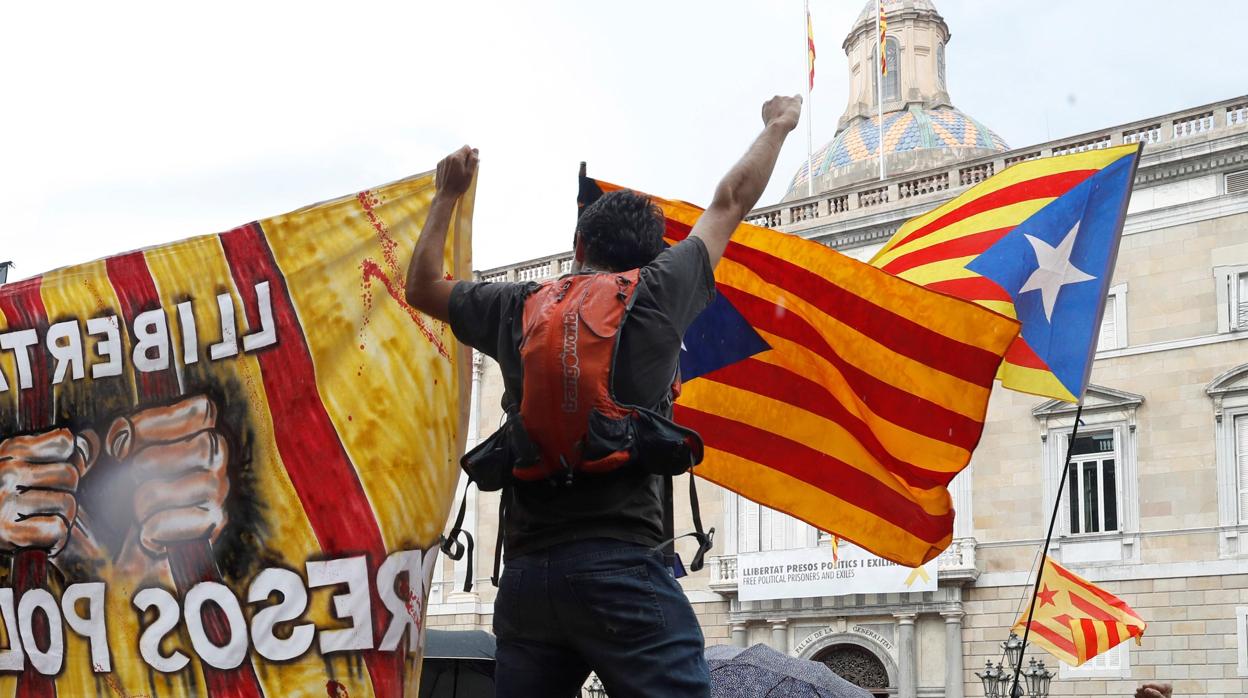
[225, 462]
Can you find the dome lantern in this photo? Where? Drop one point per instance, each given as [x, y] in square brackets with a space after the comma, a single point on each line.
[922, 128]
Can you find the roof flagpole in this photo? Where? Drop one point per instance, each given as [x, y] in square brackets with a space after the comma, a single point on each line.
[879, 81]
[809, 40]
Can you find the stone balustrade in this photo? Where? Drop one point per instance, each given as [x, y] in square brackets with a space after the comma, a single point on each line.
[923, 185]
[975, 173]
[847, 202]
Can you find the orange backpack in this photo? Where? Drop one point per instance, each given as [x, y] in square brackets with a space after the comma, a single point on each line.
[569, 422]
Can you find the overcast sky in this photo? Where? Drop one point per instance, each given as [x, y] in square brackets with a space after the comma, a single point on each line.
[124, 125]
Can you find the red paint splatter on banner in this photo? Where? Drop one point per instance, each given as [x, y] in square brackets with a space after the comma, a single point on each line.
[333, 689]
[370, 270]
[413, 608]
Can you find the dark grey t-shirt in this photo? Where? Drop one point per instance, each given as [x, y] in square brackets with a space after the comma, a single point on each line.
[626, 504]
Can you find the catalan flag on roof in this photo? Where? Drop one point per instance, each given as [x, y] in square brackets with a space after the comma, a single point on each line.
[1075, 620]
[883, 25]
[834, 392]
[1037, 242]
[810, 47]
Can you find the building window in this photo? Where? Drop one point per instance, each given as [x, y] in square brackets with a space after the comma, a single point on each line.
[1239, 447]
[1232, 294]
[892, 81]
[1229, 393]
[762, 529]
[1099, 509]
[1112, 664]
[1113, 333]
[892, 89]
[940, 65]
[1092, 483]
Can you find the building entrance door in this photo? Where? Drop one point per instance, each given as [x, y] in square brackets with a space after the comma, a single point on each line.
[857, 665]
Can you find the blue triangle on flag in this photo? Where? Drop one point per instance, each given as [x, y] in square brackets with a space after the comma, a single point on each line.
[718, 337]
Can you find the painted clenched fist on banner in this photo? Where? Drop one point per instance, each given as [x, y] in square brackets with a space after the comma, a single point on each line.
[39, 476]
[225, 463]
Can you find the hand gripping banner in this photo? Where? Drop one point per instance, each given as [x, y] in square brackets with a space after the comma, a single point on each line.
[225, 462]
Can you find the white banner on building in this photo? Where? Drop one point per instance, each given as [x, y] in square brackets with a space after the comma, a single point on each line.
[809, 572]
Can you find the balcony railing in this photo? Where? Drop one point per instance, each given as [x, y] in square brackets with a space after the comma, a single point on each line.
[847, 202]
[1192, 125]
[923, 185]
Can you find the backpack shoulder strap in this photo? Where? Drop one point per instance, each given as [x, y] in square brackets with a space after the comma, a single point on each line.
[498, 542]
[451, 546]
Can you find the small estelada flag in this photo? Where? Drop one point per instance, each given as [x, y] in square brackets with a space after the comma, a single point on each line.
[879, 5]
[1075, 620]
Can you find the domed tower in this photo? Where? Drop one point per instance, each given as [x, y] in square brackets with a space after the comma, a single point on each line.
[922, 128]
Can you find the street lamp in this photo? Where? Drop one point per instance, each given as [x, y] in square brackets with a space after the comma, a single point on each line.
[999, 681]
[1038, 679]
[1013, 651]
[991, 678]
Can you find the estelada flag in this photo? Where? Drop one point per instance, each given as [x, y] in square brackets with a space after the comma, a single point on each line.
[1075, 620]
[230, 460]
[1038, 242]
[831, 391]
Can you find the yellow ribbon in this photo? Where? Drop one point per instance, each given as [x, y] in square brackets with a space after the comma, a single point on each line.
[916, 573]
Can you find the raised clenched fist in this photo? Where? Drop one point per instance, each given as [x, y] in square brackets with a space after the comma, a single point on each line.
[455, 172]
[39, 476]
[178, 459]
[783, 112]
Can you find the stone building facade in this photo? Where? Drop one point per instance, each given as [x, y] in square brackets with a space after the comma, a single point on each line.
[1156, 507]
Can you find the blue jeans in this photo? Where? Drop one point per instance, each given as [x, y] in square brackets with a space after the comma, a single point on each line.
[600, 604]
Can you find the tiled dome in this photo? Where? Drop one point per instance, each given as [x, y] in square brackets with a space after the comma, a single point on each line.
[912, 129]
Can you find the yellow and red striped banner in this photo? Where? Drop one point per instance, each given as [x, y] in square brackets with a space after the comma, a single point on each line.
[245, 430]
[868, 399]
[1075, 620]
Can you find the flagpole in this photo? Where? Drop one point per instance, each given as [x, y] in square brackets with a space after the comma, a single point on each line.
[810, 108]
[879, 83]
[1044, 551]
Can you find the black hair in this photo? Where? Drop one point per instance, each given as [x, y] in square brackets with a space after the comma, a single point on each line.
[622, 230]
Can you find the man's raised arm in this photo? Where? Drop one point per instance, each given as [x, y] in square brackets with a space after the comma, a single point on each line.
[426, 290]
[739, 190]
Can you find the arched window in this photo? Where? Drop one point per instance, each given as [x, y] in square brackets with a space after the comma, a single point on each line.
[892, 81]
[940, 65]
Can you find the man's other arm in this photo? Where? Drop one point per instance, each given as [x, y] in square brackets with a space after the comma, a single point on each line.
[426, 290]
[740, 189]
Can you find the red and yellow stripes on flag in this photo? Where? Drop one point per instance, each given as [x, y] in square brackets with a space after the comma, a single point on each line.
[329, 438]
[810, 48]
[933, 250]
[869, 401]
[1075, 620]
[883, 23]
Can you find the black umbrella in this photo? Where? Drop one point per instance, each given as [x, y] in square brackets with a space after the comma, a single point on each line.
[762, 671]
[458, 664]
